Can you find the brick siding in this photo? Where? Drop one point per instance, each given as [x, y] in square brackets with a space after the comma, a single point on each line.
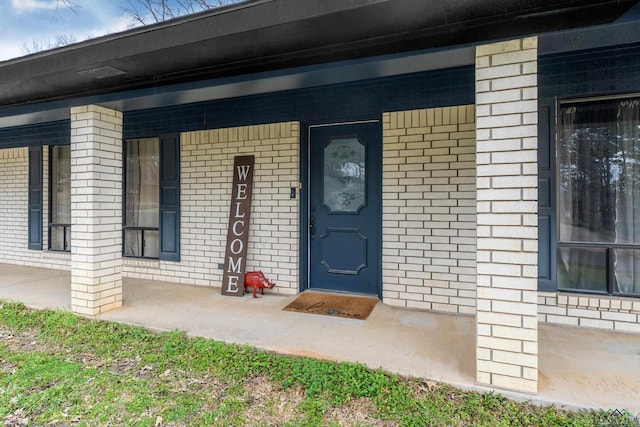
[507, 188]
[429, 209]
[591, 311]
[96, 209]
[14, 180]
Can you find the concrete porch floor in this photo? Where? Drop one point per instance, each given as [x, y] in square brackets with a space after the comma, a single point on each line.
[578, 368]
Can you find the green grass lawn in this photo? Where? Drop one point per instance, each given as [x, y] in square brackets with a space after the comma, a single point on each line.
[60, 369]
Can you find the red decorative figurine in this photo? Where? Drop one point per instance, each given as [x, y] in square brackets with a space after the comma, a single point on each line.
[257, 280]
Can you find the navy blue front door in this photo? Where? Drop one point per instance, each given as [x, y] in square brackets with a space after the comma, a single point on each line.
[345, 207]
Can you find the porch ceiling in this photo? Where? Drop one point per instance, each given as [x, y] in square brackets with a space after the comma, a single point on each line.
[268, 35]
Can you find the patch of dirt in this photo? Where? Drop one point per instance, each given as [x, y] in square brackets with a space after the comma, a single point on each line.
[16, 419]
[357, 412]
[270, 405]
[181, 381]
[23, 341]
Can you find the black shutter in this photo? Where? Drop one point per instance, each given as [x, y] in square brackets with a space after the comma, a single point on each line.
[35, 198]
[170, 197]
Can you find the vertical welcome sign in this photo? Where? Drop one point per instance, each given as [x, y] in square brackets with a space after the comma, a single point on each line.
[235, 258]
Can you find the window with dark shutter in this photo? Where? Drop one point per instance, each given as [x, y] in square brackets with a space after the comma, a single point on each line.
[35, 198]
[152, 198]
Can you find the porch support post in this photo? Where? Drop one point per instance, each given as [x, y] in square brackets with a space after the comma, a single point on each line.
[96, 209]
[507, 220]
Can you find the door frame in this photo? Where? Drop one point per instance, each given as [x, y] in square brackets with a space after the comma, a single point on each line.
[305, 199]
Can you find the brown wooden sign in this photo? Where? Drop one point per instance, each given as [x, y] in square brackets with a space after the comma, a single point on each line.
[235, 258]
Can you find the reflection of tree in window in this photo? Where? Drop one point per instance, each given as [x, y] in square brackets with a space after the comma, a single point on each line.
[60, 204]
[599, 195]
[142, 198]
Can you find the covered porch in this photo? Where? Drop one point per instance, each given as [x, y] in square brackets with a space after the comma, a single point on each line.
[428, 345]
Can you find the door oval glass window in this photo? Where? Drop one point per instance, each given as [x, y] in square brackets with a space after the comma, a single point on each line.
[344, 175]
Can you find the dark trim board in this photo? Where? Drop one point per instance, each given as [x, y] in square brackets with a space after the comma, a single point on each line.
[53, 133]
[590, 73]
[349, 101]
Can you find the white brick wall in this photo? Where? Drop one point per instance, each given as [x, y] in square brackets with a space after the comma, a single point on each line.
[507, 326]
[14, 180]
[96, 209]
[205, 191]
[429, 209]
[591, 311]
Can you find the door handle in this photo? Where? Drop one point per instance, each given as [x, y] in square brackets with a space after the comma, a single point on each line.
[312, 223]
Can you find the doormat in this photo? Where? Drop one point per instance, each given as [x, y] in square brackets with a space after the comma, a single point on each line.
[348, 306]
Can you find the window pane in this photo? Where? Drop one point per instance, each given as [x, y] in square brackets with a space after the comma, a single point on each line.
[582, 269]
[599, 172]
[133, 243]
[61, 185]
[60, 203]
[68, 237]
[57, 239]
[627, 271]
[627, 215]
[344, 173]
[151, 247]
[143, 180]
[141, 243]
[587, 190]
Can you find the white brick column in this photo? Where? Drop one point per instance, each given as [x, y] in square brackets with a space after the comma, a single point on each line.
[507, 192]
[96, 209]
